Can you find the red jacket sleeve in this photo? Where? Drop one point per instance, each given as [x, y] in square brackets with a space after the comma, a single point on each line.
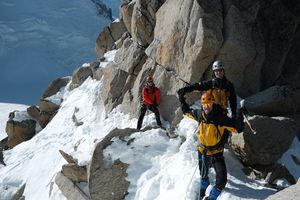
[157, 96]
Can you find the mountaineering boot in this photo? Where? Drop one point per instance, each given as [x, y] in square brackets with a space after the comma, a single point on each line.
[214, 193]
[204, 182]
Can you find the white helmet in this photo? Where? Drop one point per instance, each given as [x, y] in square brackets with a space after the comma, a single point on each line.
[218, 64]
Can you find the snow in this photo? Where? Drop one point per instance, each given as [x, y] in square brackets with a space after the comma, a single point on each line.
[159, 167]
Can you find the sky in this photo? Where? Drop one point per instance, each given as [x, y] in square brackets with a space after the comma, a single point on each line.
[41, 41]
[159, 167]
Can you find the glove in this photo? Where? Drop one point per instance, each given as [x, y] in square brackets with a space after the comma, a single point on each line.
[181, 92]
[185, 108]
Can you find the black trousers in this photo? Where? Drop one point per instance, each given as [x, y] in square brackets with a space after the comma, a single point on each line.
[218, 163]
[143, 110]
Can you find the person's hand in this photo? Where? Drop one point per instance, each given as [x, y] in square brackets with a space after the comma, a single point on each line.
[185, 108]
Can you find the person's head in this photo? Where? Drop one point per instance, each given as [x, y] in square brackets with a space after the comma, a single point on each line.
[149, 81]
[207, 101]
[218, 69]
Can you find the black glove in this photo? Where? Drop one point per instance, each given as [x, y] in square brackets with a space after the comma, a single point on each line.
[181, 92]
[185, 108]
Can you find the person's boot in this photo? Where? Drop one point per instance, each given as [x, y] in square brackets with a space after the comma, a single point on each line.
[214, 193]
[204, 182]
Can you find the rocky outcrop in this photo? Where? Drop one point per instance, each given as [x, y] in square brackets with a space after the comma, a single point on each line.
[273, 137]
[48, 106]
[19, 131]
[55, 86]
[19, 194]
[107, 180]
[126, 13]
[108, 36]
[290, 193]
[80, 74]
[42, 117]
[72, 170]
[143, 21]
[70, 190]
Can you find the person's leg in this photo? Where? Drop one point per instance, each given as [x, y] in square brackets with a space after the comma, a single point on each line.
[141, 117]
[204, 169]
[155, 110]
[219, 165]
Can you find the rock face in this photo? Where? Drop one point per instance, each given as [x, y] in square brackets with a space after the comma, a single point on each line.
[183, 38]
[108, 180]
[274, 136]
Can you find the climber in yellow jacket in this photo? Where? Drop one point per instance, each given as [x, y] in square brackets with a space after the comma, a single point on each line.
[213, 123]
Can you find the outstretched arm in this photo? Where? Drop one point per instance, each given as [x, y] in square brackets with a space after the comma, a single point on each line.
[234, 125]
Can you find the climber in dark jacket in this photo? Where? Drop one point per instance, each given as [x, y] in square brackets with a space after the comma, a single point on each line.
[213, 124]
[220, 87]
[150, 100]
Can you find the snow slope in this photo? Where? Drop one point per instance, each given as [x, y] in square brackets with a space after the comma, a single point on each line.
[160, 168]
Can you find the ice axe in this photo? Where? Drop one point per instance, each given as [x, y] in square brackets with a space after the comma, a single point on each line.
[246, 118]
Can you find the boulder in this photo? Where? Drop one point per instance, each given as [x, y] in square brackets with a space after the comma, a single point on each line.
[19, 131]
[273, 137]
[74, 172]
[108, 180]
[55, 86]
[126, 13]
[143, 21]
[130, 57]
[108, 36]
[48, 106]
[290, 193]
[274, 101]
[33, 112]
[70, 190]
[45, 118]
[80, 75]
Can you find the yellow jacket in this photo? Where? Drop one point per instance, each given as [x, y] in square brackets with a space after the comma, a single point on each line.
[213, 128]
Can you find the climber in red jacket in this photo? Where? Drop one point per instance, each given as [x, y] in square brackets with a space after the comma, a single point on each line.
[150, 100]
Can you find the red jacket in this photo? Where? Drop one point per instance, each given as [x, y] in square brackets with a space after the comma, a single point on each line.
[151, 95]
